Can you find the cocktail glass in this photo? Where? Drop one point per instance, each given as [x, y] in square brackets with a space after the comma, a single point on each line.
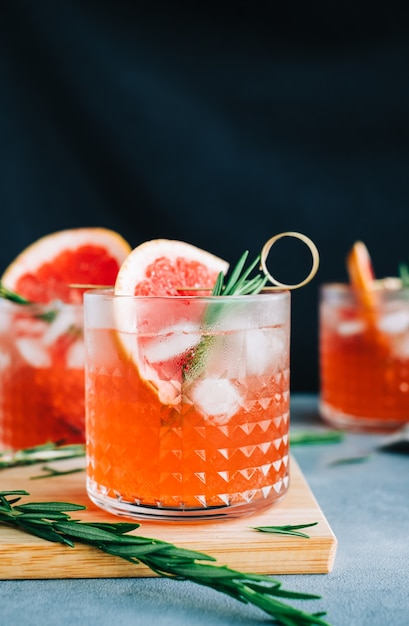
[364, 357]
[187, 403]
[41, 374]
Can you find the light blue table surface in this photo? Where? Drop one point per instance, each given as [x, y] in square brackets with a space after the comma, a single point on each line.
[367, 506]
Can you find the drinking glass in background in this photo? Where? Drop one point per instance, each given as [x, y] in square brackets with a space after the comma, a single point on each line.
[41, 374]
[364, 356]
[187, 403]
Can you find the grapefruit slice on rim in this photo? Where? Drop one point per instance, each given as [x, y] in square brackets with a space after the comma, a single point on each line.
[44, 271]
[160, 268]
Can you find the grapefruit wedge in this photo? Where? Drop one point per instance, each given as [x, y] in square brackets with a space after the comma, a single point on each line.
[44, 271]
[171, 329]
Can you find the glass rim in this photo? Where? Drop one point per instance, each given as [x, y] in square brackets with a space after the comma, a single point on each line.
[39, 306]
[383, 286]
[109, 294]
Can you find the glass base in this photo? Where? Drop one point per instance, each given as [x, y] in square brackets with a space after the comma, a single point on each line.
[343, 421]
[118, 506]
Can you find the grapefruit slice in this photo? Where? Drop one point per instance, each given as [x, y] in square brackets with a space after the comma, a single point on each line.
[48, 350]
[163, 268]
[44, 271]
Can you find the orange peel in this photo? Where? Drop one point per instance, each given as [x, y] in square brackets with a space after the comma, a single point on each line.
[362, 279]
[360, 269]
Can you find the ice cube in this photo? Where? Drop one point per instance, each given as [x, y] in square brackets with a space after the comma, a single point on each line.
[265, 350]
[5, 319]
[5, 360]
[394, 323]
[246, 353]
[270, 310]
[225, 355]
[231, 317]
[350, 327]
[76, 355]
[400, 347]
[64, 321]
[33, 352]
[29, 326]
[256, 355]
[169, 391]
[175, 341]
[215, 398]
[159, 359]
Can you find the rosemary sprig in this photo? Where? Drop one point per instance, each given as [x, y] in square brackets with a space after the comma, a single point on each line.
[50, 521]
[40, 454]
[287, 529]
[237, 283]
[8, 294]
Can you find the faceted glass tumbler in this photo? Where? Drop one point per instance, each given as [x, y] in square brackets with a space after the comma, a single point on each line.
[364, 358]
[187, 404]
[41, 374]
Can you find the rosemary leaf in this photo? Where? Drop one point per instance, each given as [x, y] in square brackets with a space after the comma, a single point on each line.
[40, 516]
[89, 534]
[50, 472]
[42, 507]
[119, 528]
[350, 460]
[217, 289]
[43, 531]
[163, 558]
[286, 529]
[404, 274]
[7, 294]
[235, 275]
[312, 438]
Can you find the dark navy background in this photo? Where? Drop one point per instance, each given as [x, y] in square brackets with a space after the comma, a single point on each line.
[219, 124]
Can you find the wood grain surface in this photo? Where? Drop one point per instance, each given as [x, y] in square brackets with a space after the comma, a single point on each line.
[232, 542]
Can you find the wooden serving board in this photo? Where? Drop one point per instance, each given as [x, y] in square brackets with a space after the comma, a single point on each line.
[232, 542]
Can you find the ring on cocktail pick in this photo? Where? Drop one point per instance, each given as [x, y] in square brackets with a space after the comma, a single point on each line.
[314, 253]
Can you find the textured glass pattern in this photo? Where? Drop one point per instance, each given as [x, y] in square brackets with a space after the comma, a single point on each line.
[218, 444]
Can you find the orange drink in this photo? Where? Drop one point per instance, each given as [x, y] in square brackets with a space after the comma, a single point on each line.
[364, 356]
[187, 403]
[41, 374]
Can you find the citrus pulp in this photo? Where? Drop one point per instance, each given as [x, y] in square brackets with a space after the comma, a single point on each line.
[162, 266]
